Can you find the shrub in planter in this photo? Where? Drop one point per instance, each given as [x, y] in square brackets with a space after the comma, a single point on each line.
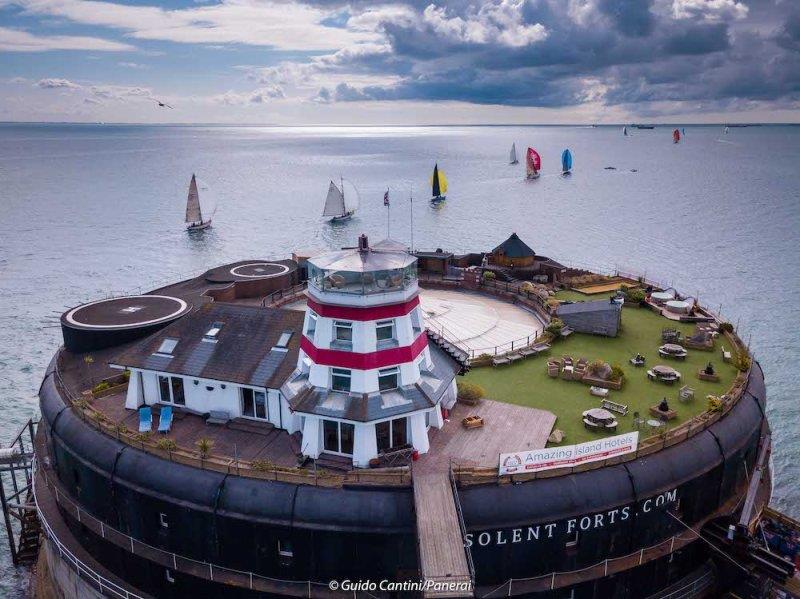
[527, 287]
[725, 327]
[126, 375]
[167, 444]
[714, 403]
[101, 386]
[741, 360]
[470, 391]
[555, 327]
[617, 374]
[634, 294]
[204, 446]
[488, 275]
[262, 465]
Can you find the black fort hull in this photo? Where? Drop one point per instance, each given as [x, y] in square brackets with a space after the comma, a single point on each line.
[515, 531]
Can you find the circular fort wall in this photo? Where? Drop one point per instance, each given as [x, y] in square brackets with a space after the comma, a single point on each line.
[238, 522]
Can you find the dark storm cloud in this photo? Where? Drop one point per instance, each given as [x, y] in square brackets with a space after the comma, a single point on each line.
[712, 54]
[629, 17]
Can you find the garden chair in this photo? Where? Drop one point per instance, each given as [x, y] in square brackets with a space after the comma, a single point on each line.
[165, 419]
[145, 419]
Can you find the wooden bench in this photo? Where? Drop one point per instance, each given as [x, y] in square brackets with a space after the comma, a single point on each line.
[399, 456]
[613, 406]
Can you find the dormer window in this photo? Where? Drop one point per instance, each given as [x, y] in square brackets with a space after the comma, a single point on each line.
[212, 333]
[167, 347]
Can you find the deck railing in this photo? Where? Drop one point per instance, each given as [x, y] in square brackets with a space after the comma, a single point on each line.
[284, 296]
[399, 476]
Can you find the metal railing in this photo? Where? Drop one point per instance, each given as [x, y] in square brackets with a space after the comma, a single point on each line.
[85, 572]
[461, 523]
[178, 563]
[283, 296]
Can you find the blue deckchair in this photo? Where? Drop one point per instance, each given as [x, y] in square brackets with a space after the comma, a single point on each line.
[145, 419]
[165, 419]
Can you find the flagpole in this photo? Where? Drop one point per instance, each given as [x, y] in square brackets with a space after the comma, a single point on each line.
[411, 197]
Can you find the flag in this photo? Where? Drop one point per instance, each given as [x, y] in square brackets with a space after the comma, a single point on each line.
[386, 198]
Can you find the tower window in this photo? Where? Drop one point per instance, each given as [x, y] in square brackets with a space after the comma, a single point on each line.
[162, 519]
[340, 379]
[388, 379]
[343, 331]
[384, 330]
[311, 327]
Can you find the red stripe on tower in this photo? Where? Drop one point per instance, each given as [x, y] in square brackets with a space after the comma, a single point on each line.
[367, 361]
[365, 313]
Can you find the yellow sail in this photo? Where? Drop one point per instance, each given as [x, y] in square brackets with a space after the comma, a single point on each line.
[442, 181]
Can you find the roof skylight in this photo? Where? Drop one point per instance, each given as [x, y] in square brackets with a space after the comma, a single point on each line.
[167, 346]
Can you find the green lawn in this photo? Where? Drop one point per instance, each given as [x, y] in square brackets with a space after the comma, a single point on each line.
[526, 382]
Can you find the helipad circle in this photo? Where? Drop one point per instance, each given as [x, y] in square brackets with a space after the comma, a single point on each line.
[259, 270]
[128, 312]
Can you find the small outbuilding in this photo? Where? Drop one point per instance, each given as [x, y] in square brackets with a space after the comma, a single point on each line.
[513, 252]
[602, 317]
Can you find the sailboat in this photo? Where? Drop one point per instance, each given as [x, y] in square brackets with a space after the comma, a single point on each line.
[438, 185]
[533, 163]
[566, 162]
[336, 205]
[727, 129]
[676, 136]
[625, 131]
[194, 214]
[512, 157]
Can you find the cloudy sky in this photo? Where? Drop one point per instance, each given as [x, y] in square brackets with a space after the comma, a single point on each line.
[403, 62]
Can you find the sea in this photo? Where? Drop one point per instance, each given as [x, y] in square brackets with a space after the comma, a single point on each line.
[87, 211]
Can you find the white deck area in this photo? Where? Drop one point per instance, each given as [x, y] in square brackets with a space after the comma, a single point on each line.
[477, 322]
[472, 320]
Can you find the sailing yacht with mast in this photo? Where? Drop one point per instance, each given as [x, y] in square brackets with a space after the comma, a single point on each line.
[512, 158]
[533, 164]
[566, 162]
[438, 186]
[194, 214]
[337, 206]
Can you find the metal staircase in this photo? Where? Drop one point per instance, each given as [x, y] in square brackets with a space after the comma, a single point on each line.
[16, 497]
[447, 342]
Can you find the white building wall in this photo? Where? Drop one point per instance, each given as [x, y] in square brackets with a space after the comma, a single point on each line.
[135, 396]
[419, 432]
[365, 445]
[312, 436]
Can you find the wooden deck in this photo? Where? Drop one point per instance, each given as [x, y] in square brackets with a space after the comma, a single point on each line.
[240, 438]
[442, 554]
[506, 428]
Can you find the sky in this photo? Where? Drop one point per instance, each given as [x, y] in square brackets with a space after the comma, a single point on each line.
[414, 62]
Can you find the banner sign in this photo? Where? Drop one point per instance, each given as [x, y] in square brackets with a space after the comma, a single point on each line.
[568, 455]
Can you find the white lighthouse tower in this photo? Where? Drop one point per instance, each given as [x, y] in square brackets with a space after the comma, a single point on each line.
[368, 382]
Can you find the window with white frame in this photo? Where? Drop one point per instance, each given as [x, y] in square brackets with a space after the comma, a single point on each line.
[416, 320]
[340, 379]
[342, 332]
[388, 379]
[338, 436]
[254, 403]
[391, 433]
[170, 390]
[384, 331]
[311, 327]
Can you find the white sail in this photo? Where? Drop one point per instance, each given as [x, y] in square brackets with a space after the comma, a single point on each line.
[350, 200]
[512, 157]
[334, 203]
[193, 213]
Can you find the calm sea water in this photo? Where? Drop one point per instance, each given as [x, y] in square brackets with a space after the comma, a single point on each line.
[88, 210]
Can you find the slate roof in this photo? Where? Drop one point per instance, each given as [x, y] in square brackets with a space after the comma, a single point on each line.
[514, 247]
[593, 306]
[367, 407]
[243, 353]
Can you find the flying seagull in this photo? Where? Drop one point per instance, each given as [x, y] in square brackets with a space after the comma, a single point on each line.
[162, 104]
